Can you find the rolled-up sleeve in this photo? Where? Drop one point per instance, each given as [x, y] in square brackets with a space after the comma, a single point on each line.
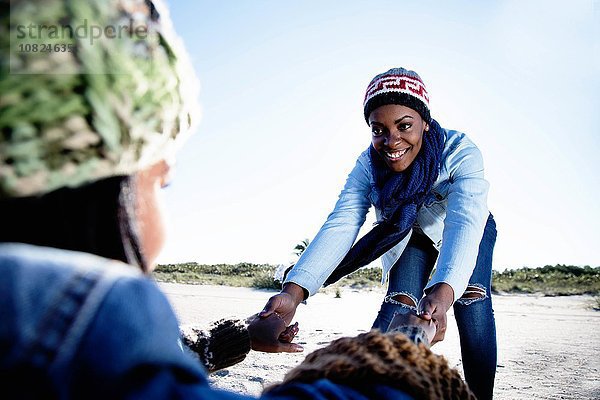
[338, 233]
[466, 215]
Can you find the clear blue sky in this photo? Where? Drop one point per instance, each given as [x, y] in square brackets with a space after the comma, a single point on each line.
[282, 89]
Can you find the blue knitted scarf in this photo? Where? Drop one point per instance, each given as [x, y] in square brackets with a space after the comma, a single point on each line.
[400, 195]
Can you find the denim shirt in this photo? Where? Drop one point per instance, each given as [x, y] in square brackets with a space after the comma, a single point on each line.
[80, 326]
[453, 217]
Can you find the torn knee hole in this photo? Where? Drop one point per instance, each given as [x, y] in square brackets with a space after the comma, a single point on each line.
[472, 294]
[402, 299]
[405, 300]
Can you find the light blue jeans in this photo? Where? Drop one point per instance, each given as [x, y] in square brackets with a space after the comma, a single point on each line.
[474, 315]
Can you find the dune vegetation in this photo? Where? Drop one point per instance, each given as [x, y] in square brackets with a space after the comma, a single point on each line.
[549, 280]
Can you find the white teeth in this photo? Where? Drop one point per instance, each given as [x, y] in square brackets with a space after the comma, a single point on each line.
[397, 154]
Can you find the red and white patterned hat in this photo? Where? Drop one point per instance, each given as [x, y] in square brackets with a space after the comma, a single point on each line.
[397, 86]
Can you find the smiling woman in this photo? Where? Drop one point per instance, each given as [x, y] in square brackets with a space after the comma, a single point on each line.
[398, 141]
[430, 197]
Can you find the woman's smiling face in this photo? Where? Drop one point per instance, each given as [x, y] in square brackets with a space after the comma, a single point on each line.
[397, 134]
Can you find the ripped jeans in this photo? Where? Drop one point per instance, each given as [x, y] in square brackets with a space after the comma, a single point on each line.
[473, 311]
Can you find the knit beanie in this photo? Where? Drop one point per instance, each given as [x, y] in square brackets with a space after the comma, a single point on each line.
[397, 86]
[89, 89]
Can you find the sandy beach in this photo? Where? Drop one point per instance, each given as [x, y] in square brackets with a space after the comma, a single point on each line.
[548, 346]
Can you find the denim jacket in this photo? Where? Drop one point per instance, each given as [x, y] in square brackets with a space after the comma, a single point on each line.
[453, 217]
[80, 326]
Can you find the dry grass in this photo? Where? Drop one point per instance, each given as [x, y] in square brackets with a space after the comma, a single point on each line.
[549, 280]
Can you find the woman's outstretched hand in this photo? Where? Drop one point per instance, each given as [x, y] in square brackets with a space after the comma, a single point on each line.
[271, 335]
[433, 307]
[270, 330]
[285, 303]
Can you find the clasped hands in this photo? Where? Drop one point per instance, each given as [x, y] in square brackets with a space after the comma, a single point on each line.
[434, 306]
[270, 330]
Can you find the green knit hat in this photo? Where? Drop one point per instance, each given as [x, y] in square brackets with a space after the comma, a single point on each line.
[78, 105]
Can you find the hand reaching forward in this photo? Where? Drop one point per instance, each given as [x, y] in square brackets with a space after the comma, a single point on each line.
[411, 319]
[269, 330]
[285, 303]
[271, 335]
[433, 307]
